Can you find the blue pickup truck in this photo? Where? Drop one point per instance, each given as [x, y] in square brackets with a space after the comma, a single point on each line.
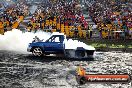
[56, 45]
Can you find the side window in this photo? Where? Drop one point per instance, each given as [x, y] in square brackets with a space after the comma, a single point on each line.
[56, 39]
[50, 39]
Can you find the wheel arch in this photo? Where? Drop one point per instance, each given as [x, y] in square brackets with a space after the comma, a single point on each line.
[37, 47]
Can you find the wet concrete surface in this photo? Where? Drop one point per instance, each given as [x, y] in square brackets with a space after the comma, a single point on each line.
[26, 71]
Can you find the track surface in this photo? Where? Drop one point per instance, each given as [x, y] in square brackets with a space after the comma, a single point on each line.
[25, 71]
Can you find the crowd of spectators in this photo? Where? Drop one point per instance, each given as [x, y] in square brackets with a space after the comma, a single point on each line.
[113, 18]
[62, 16]
[12, 16]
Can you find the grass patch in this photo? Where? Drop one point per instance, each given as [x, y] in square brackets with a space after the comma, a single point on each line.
[109, 43]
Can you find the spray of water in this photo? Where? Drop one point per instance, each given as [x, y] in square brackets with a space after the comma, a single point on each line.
[15, 40]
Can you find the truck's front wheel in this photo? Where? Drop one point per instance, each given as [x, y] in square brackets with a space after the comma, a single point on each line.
[37, 51]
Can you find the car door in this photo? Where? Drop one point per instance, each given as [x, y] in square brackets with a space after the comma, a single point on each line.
[54, 44]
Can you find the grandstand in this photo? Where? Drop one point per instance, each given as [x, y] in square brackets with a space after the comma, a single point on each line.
[110, 19]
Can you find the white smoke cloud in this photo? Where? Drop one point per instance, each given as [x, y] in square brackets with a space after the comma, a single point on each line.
[73, 44]
[15, 40]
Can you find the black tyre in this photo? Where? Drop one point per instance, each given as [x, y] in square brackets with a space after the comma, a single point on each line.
[82, 80]
[80, 53]
[37, 51]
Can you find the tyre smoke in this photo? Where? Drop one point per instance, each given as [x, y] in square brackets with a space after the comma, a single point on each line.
[15, 40]
[73, 44]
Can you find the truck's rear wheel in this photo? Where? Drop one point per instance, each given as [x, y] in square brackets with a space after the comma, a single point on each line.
[80, 53]
[37, 51]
